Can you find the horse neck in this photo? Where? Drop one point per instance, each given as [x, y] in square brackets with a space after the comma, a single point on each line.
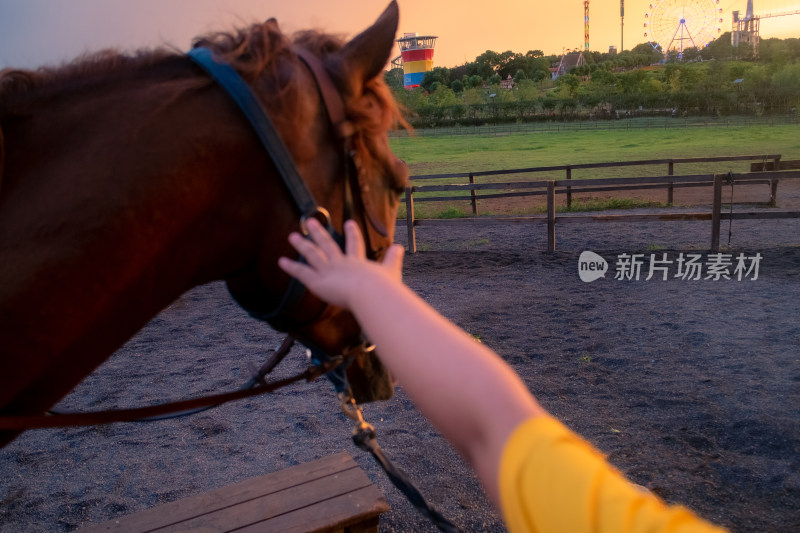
[96, 238]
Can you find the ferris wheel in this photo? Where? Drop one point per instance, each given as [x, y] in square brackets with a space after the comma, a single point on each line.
[681, 24]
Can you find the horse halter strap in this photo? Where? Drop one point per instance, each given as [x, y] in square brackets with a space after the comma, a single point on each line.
[241, 93]
[251, 107]
[343, 128]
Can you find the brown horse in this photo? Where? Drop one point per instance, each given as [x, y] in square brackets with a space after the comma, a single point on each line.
[127, 180]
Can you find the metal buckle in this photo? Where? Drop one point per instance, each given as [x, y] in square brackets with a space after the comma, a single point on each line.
[321, 214]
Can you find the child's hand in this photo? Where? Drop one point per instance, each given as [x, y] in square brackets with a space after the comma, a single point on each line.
[335, 276]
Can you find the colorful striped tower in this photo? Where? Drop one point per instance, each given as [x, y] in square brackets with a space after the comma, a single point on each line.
[417, 53]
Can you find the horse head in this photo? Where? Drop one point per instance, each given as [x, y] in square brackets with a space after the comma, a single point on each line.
[333, 110]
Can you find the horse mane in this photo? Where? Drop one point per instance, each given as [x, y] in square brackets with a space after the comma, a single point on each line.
[18, 87]
[253, 51]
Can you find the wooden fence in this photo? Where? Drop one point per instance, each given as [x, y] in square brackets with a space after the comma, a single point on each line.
[567, 186]
[766, 161]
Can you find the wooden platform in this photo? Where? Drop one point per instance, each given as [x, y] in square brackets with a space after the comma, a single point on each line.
[332, 494]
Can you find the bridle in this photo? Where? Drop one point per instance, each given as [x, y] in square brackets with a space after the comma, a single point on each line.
[343, 131]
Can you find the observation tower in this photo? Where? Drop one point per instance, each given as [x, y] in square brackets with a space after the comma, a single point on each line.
[417, 57]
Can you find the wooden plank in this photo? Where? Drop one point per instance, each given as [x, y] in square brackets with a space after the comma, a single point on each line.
[612, 164]
[551, 216]
[619, 188]
[762, 166]
[771, 165]
[319, 516]
[479, 221]
[777, 174]
[773, 192]
[210, 501]
[439, 176]
[442, 198]
[585, 219]
[569, 190]
[671, 189]
[715, 212]
[288, 507]
[761, 215]
[580, 189]
[693, 178]
[482, 186]
[645, 217]
[264, 498]
[649, 180]
[412, 236]
[479, 196]
[474, 199]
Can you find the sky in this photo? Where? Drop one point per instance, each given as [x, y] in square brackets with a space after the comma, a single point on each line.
[49, 32]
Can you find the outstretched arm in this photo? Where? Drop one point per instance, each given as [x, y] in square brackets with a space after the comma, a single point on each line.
[474, 398]
[552, 480]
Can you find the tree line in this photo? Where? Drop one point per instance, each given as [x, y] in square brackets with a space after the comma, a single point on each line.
[717, 80]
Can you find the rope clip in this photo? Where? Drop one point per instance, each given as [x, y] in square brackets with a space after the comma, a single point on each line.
[362, 430]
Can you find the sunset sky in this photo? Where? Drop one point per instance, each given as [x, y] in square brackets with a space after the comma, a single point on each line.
[38, 32]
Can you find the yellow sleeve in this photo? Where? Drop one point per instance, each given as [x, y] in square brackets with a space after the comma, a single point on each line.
[551, 480]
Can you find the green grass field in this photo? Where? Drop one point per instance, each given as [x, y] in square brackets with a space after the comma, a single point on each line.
[465, 153]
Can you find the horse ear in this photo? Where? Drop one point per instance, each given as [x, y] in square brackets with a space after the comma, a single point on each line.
[365, 57]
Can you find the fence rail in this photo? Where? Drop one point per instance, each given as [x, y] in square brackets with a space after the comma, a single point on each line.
[768, 162]
[567, 186]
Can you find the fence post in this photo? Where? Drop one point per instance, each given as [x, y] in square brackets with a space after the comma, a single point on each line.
[551, 216]
[569, 189]
[412, 237]
[716, 210]
[670, 188]
[472, 194]
[773, 192]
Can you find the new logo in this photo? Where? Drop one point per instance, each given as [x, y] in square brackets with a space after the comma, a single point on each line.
[591, 266]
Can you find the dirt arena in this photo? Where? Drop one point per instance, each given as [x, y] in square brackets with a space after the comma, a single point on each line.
[691, 388]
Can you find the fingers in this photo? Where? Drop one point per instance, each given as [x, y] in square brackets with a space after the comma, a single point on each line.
[393, 260]
[319, 234]
[321, 249]
[354, 241]
[312, 253]
[302, 272]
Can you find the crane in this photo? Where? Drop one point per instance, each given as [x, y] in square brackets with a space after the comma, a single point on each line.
[747, 29]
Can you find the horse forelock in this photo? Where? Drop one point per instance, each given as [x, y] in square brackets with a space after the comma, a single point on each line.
[374, 113]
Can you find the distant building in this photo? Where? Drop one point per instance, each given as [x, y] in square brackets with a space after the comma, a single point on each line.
[416, 57]
[569, 61]
[507, 83]
[612, 50]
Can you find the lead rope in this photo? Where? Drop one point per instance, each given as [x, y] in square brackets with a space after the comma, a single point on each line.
[364, 437]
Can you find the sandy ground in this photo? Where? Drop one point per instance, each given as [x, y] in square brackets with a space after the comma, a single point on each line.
[691, 388]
